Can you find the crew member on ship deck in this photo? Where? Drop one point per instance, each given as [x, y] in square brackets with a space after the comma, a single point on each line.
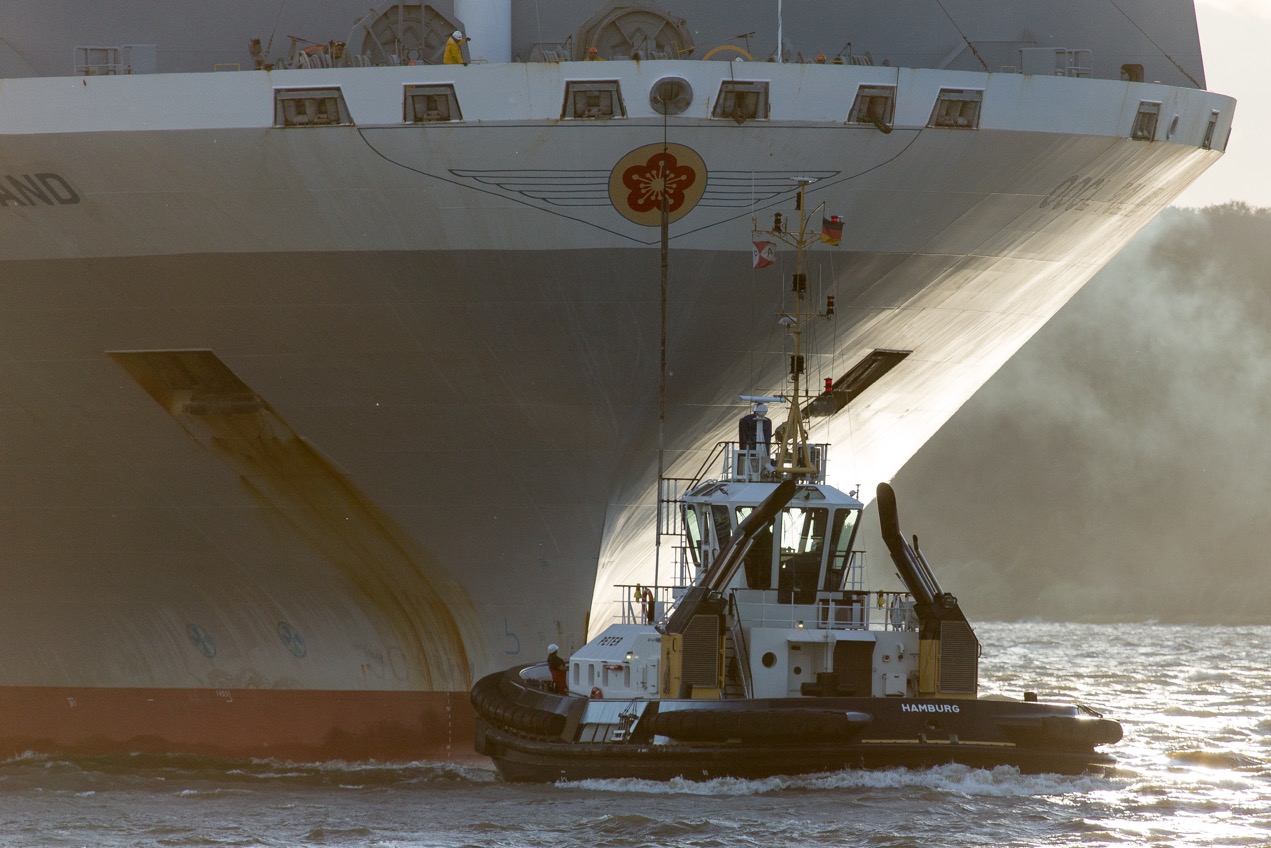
[557, 667]
[755, 434]
[454, 49]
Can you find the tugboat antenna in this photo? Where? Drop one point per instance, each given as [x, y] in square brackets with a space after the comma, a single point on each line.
[794, 457]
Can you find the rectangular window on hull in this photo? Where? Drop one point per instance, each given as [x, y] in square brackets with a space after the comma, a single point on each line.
[957, 109]
[1145, 121]
[1208, 143]
[310, 107]
[593, 100]
[874, 105]
[431, 103]
[741, 101]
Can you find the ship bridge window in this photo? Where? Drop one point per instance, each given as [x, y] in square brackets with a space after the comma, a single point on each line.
[310, 107]
[1145, 121]
[802, 542]
[693, 532]
[429, 103]
[957, 109]
[874, 105]
[758, 562]
[719, 513]
[593, 100]
[844, 531]
[1208, 143]
[1131, 73]
[741, 101]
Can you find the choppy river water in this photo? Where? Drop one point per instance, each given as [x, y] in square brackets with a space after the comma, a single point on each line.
[1194, 769]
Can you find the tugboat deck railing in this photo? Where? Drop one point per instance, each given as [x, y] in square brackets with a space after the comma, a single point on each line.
[852, 609]
[848, 610]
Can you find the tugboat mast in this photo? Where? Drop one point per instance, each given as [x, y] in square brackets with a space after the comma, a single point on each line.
[794, 460]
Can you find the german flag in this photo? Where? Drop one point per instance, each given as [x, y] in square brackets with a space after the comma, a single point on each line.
[831, 230]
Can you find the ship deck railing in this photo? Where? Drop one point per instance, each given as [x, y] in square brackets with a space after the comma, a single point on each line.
[633, 608]
[849, 609]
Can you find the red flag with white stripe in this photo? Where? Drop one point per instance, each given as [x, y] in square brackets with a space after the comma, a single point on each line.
[764, 253]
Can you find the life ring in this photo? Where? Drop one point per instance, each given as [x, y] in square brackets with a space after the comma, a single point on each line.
[731, 48]
[646, 605]
[596, 694]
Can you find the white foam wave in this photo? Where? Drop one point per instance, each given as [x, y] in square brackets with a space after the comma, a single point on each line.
[1003, 781]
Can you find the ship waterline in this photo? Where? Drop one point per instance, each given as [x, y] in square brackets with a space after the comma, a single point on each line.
[307, 427]
[291, 724]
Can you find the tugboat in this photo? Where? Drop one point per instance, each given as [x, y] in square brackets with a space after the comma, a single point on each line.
[775, 658]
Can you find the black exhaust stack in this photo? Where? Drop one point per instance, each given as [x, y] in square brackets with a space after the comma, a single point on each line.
[948, 652]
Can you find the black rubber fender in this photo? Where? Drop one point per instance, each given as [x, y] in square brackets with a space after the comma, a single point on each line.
[490, 698]
[758, 725]
[1058, 732]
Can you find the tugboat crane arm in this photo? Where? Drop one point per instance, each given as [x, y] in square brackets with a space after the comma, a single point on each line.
[731, 556]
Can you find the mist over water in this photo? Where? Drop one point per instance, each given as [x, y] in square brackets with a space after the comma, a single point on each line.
[1119, 467]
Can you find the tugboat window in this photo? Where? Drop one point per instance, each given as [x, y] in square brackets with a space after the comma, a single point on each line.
[758, 563]
[694, 533]
[802, 543]
[836, 574]
[723, 529]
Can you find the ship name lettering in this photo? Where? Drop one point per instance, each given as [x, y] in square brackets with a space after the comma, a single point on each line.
[46, 189]
[930, 708]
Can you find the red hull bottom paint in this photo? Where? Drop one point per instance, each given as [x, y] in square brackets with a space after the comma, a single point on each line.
[290, 724]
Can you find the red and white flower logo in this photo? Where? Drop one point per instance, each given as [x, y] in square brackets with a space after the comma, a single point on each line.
[646, 175]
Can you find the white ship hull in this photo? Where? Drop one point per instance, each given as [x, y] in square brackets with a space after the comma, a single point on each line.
[305, 428]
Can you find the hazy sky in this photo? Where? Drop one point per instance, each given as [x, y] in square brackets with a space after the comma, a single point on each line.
[1235, 36]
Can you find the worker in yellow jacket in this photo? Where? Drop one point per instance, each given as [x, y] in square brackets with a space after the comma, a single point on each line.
[454, 49]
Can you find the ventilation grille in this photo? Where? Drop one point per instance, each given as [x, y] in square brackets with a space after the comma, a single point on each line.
[959, 658]
[701, 652]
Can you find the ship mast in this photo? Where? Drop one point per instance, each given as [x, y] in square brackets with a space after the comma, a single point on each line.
[794, 460]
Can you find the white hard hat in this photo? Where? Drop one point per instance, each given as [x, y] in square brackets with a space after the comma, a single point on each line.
[458, 34]
[553, 648]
